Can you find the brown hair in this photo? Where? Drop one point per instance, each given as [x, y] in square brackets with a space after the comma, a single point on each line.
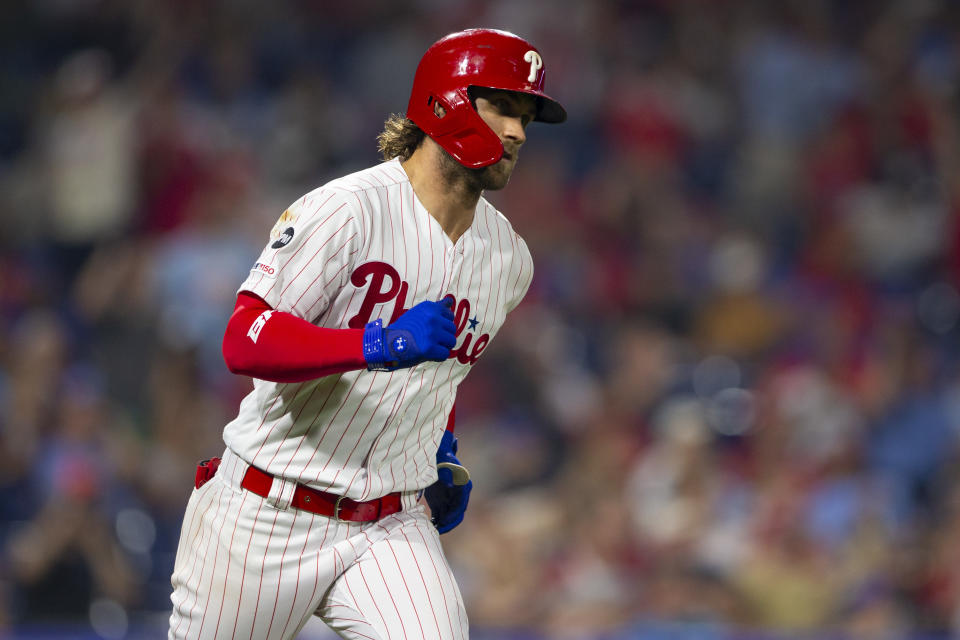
[400, 138]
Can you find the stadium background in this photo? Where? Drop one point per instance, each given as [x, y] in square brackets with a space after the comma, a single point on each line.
[729, 407]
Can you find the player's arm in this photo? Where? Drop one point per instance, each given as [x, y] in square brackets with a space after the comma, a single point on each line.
[274, 345]
[264, 343]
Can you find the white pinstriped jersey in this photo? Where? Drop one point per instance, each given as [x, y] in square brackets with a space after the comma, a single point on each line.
[360, 248]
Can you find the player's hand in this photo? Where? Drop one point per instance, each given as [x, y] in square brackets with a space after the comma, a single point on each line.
[425, 332]
[449, 495]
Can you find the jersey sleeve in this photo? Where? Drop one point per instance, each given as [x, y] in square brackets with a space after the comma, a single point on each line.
[522, 274]
[309, 255]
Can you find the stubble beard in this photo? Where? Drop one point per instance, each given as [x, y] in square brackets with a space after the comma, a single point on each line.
[475, 181]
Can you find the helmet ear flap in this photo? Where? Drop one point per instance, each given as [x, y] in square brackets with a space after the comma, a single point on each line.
[452, 122]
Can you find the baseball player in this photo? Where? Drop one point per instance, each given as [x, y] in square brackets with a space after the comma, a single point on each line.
[375, 295]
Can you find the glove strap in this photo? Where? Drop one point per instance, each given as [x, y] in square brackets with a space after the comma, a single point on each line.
[375, 346]
[458, 472]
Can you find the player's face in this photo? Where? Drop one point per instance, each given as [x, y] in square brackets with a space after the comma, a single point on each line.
[507, 113]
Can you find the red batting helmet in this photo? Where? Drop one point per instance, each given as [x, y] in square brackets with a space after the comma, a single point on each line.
[475, 58]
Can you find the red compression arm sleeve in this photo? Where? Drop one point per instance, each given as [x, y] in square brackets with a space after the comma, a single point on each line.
[272, 345]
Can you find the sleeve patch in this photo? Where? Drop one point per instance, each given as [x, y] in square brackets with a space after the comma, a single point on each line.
[284, 239]
[283, 229]
[265, 270]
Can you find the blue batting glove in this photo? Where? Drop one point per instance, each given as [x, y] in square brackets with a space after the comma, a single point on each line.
[449, 495]
[425, 332]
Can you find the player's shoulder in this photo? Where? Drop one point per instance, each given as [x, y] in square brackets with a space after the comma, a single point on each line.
[379, 176]
[346, 193]
[496, 221]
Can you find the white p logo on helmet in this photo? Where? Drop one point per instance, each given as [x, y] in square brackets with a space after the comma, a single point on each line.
[536, 63]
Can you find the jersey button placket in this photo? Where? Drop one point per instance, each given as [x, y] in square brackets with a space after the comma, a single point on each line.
[454, 261]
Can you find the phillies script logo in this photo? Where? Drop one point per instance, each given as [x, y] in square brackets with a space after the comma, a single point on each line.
[386, 285]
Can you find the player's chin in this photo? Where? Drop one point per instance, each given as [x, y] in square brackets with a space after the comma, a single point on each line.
[497, 176]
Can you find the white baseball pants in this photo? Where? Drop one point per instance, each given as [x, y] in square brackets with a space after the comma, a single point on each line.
[253, 568]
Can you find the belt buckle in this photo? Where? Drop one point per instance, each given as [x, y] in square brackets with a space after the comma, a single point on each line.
[336, 509]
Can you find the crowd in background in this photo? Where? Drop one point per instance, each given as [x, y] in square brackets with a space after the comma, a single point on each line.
[729, 406]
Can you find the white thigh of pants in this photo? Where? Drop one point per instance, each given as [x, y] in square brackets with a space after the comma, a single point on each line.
[247, 569]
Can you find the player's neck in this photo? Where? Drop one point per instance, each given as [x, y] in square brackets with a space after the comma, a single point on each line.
[448, 196]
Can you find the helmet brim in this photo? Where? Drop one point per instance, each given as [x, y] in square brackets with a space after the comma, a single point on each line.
[549, 110]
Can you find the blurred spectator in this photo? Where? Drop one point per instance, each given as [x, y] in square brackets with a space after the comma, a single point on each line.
[66, 555]
[728, 408]
[89, 152]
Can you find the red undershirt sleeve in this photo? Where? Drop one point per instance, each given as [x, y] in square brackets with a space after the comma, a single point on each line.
[280, 347]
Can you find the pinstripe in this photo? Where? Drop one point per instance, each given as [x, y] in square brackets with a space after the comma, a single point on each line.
[191, 552]
[386, 588]
[385, 201]
[367, 587]
[256, 608]
[519, 262]
[302, 245]
[326, 429]
[316, 578]
[358, 440]
[417, 466]
[296, 585]
[193, 517]
[430, 227]
[226, 575]
[215, 539]
[293, 457]
[519, 273]
[357, 633]
[529, 261]
[201, 561]
[296, 420]
[333, 387]
[430, 427]
[426, 589]
[272, 404]
[431, 224]
[345, 430]
[439, 581]
[403, 467]
[488, 248]
[306, 401]
[243, 572]
[390, 418]
[276, 599]
[368, 487]
[413, 604]
[403, 232]
[373, 209]
[435, 542]
[315, 253]
[402, 173]
[339, 434]
[320, 274]
[500, 251]
[314, 213]
[324, 287]
[348, 310]
[416, 287]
